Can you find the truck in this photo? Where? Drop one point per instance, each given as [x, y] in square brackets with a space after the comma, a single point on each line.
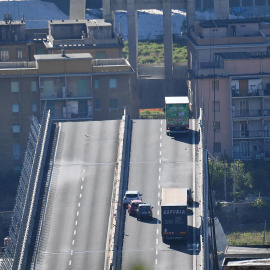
[174, 214]
[177, 115]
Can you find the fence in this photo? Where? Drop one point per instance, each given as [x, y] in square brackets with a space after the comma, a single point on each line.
[16, 244]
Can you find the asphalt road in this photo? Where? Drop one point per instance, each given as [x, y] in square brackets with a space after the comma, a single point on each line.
[157, 161]
[75, 227]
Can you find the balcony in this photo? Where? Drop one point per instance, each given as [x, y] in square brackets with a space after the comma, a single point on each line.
[251, 134]
[61, 94]
[249, 155]
[248, 93]
[250, 113]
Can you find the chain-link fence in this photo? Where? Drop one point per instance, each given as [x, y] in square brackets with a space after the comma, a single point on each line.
[16, 244]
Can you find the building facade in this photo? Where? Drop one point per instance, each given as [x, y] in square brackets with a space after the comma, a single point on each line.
[229, 63]
[73, 78]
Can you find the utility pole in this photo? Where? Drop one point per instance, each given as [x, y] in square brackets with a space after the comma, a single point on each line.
[225, 181]
[264, 232]
[233, 185]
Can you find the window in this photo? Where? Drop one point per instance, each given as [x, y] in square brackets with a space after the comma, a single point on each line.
[215, 85]
[216, 125]
[217, 147]
[16, 128]
[14, 87]
[34, 107]
[113, 83]
[4, 54]
[244, 149]
[15, 107]
[247, 3]
[113, 104]
[96, 83]
[33, 86]
[19, 53]
[100, 55]
[16, 151]
[216, 106]
[97, 104]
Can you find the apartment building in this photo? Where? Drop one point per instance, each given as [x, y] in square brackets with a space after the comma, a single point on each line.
[229, 78]
[76, 78]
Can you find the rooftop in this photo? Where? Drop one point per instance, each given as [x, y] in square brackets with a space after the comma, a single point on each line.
[72, 56]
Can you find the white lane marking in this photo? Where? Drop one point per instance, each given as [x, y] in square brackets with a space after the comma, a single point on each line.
[81, 186]
[160, 145]
[71, 252]
[160, 160]
[84, 170]
[83, 178]
[74, 232]
[158, 203]
[159, 177]
[156, 252]
[73, 242]
[159, 186]
[157, 231]
[78, 213]
[159, 169]
[159, 194]
[156, 241]
[158, 212]
[80, 195]
[156, 261]
[69, 262]
[160, 137]
[161, 122]
[76, 222]
[160, 153]
[79, 204]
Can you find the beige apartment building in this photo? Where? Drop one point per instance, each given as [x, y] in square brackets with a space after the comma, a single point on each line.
[73, 78]
[229, 78]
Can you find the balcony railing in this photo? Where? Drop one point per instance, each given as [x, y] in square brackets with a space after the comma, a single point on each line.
[248, 155]
[251, 134]
[60, 94]
[255, 92]
[250, 113]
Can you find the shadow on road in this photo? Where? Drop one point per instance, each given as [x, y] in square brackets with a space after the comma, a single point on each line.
[186, 137]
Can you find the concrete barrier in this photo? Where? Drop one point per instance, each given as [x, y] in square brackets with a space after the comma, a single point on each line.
[112, 248]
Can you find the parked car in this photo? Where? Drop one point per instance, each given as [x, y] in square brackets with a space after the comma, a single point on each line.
[131, 195]
[144, 211]
[133, 206]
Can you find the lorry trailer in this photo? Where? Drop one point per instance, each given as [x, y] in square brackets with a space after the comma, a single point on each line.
[174, 214]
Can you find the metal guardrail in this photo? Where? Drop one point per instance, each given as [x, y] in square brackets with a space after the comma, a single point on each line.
[15, 254]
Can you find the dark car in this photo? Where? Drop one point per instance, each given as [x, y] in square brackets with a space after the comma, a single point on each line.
[133, 206]
[189, 196]
[144, 211]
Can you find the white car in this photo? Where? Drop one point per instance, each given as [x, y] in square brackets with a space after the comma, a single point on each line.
[131, 195]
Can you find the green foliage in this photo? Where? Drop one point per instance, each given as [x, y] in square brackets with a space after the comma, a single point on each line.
[244, 182]
[252, 235]
[259, 204]
[153, 52]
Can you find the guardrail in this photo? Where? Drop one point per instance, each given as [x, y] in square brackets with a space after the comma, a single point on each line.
[20, 231]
